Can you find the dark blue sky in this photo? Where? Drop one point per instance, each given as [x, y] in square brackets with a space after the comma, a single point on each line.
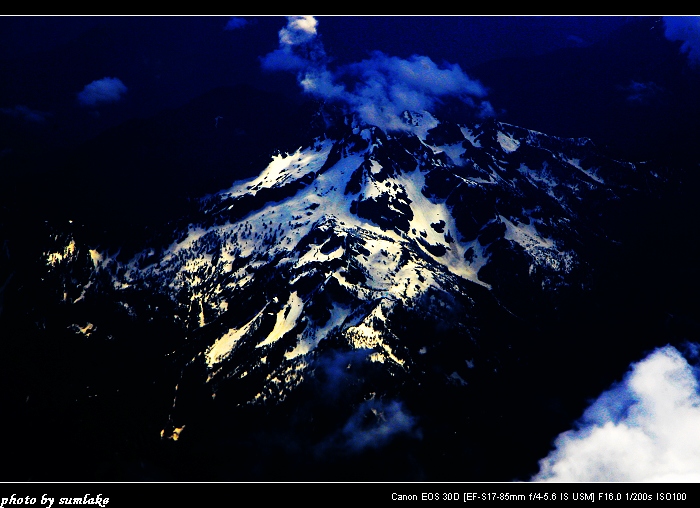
[152, 63]
[166, 61]
[469, 39]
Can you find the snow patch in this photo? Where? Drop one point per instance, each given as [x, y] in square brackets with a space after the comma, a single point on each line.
[468, 134]
[86, 330]
[287, 319]
[526, 235]
[426, 213]
[53, 258]
[543, 250]
[96, 257]
[508, 144]
[224, 345]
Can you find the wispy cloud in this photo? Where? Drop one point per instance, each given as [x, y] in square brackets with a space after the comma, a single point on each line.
[336, 370]
[26, 114]
[686, 29]
[375, 424]
[235, 23]
[644, 429]
[380, 87]
[642, 92]
[103, 90]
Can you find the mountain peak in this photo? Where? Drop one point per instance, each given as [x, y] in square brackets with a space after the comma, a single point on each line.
[396, 252]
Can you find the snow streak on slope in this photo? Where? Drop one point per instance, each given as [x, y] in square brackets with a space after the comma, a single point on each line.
[286, 319]
[223, 346]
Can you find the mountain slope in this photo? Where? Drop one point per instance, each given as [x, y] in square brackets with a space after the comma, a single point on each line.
[361, 309]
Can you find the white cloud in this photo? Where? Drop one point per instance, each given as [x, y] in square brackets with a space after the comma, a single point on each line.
[686, 29]
[379, 88]
[299, 30]
[385, 86]
[418, 73]
[644, 429]
[102, 91]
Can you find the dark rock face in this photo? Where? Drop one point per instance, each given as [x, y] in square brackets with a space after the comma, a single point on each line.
[388, 212]
[359, 310]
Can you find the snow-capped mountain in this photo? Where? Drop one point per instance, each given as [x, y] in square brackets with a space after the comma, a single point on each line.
[383, 274]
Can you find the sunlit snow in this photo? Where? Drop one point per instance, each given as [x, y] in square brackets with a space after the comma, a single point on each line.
[223, 346]
[286, 319]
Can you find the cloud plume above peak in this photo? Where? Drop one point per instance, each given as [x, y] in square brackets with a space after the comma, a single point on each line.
[644, 429]
[379, 88]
